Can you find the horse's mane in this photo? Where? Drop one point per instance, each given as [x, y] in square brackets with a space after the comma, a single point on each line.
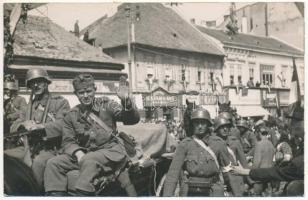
[18, 178]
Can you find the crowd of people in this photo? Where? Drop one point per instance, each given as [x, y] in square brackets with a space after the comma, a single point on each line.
[225, 156]
[237, 157]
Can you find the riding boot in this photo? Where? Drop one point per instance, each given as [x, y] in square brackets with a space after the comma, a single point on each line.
[56, 193]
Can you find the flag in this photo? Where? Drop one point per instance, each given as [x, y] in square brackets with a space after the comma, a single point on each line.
[295, 109]
[294, 89]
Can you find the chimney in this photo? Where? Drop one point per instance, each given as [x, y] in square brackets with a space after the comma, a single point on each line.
[244, 24]
[193, 20]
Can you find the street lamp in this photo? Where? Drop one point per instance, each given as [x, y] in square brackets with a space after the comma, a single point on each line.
[129, 60]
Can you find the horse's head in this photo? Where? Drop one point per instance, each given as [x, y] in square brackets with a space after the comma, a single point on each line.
[190, 105]
[224, 107]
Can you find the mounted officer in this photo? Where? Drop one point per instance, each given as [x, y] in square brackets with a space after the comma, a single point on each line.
[12, 103]
[44, 115]
[197, 159]
[90, 147]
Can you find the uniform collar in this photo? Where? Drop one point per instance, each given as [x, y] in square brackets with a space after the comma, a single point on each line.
[43, 100]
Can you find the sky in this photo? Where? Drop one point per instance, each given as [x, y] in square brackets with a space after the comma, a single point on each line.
[66, 14]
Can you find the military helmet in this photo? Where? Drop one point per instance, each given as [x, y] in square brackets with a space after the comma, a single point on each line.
[220, 121]
[201, 113]
[242, 123]
[225, 115]
[10, 85]
[37, 73]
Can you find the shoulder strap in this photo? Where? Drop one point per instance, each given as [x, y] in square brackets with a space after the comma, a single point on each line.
[46, 109]
[94, 117]
[208, 149]
[232, 153]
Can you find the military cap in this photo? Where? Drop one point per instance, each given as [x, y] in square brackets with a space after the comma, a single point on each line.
[201, 113]
[220, 121]
[83, 81]
[37, 73]
[242, 123]
[10, 85]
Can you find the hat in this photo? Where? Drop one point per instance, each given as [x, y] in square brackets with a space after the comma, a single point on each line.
[83, 81]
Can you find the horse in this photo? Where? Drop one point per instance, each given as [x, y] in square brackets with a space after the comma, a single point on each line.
[224, 107]
[19, 179]
[187, 125]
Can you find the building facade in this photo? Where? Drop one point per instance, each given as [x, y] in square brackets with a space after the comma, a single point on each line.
[266, 62]
[167, 52]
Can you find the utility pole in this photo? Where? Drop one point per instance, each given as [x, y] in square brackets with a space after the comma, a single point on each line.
[129, 59]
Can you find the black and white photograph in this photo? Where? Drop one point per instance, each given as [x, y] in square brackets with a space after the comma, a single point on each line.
[153, 99]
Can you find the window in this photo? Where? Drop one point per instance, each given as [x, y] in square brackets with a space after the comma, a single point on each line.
[150, 72]
[251, 72]
[251, 24]
[199, 76]
[239, 80]
[211, 76]
[231, 74]
[267, 74]
[231, 80]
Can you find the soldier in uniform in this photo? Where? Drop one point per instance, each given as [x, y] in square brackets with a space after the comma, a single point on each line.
[197, 159]
[91, 149]
[247, 138]
[234, 156]
[44, 112]
[13, 104]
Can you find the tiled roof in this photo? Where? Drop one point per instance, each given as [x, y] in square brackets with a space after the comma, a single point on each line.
[40, 37]
[158, 26]
[93, 25]
[251, 41]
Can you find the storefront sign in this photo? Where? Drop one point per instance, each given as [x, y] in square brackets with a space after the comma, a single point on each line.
[205, 99]
[270, 99]
[160, 98]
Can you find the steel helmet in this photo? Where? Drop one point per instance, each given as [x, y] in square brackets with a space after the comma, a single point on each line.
[10, 85]
[37, 73]
[220, 121]
[225, 115]
[242, 123]
[201, 113]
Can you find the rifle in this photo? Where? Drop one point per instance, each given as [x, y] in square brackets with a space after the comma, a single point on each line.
[19, 134]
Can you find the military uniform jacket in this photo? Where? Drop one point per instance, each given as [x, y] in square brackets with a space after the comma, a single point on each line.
[13, 108]
[57, 109]
[248, 141]
[189, 156]
[237, 149]
[80, 135]
[293, 171]
[219, 147]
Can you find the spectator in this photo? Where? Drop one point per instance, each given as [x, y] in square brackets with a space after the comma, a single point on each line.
[250, 83]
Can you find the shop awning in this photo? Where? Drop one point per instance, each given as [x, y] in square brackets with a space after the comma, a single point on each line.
[251, 111]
